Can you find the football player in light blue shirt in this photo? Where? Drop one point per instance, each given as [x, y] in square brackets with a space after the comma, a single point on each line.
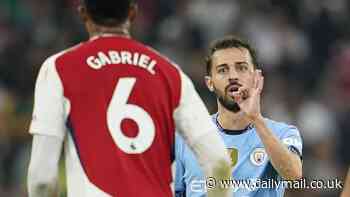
[261, 150]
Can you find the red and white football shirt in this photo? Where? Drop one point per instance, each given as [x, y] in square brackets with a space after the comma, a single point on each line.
[116, 102]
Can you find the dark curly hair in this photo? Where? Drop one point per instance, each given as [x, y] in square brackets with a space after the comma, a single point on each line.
[229, 42]
[108, 12]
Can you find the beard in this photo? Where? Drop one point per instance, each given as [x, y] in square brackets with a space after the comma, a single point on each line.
[227, 102]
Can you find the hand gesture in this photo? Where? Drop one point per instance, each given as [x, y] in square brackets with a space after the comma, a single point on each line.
[249, 99]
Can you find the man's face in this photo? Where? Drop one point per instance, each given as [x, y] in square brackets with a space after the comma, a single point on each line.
[231, 72]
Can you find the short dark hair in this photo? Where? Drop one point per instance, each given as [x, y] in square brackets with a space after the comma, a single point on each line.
[108, 12]
[230, 42]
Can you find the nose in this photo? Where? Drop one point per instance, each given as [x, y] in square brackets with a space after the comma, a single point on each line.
[233, 75]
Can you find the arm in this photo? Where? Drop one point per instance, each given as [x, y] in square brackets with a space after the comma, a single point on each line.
[286, 163]
[43, 167]
[346, 191]
[194, 124]
[48, 129]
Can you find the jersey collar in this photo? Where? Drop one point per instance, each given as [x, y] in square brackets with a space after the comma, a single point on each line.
[229, 131]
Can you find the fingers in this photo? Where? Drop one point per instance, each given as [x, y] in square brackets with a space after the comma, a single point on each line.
[241, 95]
[256, 75]
[237, 96]
[245, 94]
[261, 84]
[258, 81]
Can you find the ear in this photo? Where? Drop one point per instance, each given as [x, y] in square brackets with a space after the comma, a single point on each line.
[133, 12]
[209, 83]
[83, 13]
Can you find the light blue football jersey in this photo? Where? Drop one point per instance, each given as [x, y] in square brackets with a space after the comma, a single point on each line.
[248, 156]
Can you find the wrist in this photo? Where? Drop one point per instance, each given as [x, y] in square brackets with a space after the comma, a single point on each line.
[258, 120]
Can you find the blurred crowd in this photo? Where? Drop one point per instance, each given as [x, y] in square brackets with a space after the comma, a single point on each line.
[303, 47]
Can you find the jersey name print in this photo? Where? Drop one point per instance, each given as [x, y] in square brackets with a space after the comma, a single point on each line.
[123, 57]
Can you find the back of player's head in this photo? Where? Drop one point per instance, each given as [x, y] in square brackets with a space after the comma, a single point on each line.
[226, 43]
[108, 12]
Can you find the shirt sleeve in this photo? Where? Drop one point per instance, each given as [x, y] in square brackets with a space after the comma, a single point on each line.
[292, 139]
[49, 115]
[43, 167]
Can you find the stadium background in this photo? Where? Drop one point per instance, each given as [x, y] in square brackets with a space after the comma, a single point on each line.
[303, 46]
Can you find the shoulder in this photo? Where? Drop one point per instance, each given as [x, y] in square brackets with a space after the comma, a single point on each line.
[50, 62]
[280, 128]
[48, 70]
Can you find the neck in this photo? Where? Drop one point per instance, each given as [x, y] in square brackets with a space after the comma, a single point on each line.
[122, 30]
[230, 120]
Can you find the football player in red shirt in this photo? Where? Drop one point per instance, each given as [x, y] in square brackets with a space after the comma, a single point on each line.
[114, 104]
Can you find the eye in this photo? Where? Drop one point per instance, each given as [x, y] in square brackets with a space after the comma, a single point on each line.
[222, 70]
[242, 67]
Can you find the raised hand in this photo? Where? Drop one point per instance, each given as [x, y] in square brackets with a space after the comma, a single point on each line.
[249, 100]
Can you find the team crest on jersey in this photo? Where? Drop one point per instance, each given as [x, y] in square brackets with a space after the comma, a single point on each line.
[258, 156]
[233, 152]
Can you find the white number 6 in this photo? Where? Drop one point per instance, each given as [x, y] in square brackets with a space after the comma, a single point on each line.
[119, 109]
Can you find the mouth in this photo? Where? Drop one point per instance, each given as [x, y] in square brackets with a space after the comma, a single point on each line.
[233, 89]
